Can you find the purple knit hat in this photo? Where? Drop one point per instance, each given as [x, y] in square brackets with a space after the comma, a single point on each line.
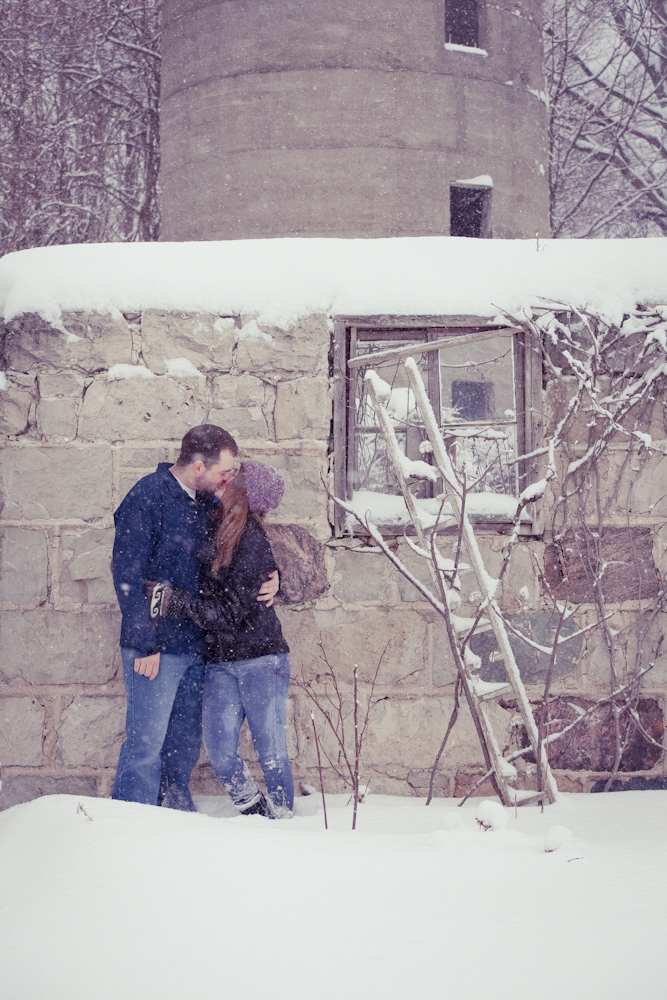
[264, 485]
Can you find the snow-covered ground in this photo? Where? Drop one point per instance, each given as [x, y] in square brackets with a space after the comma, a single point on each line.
[102, 899]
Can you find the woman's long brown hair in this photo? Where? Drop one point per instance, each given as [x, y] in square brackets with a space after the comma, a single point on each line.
[233, 516]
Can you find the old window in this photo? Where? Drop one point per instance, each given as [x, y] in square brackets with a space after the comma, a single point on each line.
[462, 23]
[486, 387]
[470, 211]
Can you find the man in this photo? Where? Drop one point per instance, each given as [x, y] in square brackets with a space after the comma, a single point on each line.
[160, 526]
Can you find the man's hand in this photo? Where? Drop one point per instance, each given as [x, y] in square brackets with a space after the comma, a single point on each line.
[269, 588]
[148, 666]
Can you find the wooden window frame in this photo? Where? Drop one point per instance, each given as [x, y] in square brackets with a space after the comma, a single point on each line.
[528, 391]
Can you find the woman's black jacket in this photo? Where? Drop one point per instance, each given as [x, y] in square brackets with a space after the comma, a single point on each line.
[236, 625]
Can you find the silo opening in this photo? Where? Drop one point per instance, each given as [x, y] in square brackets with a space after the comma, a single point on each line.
[470, 212]
[462, 23]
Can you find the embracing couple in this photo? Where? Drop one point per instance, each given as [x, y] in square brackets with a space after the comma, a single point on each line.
[201, 644]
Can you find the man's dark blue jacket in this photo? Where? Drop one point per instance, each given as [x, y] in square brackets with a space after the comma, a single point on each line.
[159, 529]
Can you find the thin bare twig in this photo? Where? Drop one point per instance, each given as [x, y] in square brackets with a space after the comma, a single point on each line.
[319, 768]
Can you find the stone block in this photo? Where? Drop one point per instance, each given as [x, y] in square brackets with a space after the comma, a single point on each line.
[639, 655]
[238, 390]
[639, 783]
[420, 781]
[65, 384]
[645, 479]
[521, 573]
[590, 745]
[303, 349]
[465, 784]
[300, 559]
[56, 482]
[442, 658]
[304, 493]
[533, 665]
[91, 732]
[129, 409]
[92, 342]
[202, 338]
[359, 575]
[493, 561]
[21, 731]
[240, 421]
[408, 730]
[411, 730]
[419, 569]
[57, 417]
[22, 380]
[240, 405]
[303, 409]
[143, 458]
[58, 647]
[598, 668]
[17, 790]
[628, 552]
[128, 481]
[86, 573]
[14, 409]
[360, 638]
[23, 566]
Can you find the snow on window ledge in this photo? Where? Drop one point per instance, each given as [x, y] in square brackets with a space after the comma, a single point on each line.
[483, 181]
[386, 510]
[451, 47]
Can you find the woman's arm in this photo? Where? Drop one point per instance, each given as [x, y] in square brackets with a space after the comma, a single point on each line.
[225, 603]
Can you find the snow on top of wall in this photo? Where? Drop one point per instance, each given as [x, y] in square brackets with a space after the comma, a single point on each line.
[282, 280]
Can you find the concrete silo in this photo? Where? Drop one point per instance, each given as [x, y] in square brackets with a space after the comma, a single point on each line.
[352, 118]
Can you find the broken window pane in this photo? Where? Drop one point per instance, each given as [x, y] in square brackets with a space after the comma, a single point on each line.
[373, 469]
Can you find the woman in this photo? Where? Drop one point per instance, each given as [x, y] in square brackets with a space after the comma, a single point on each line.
[247, 668]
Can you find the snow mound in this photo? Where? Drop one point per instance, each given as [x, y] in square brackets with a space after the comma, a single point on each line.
[491, 815]
[555, 837]
[181, 368]
[452, 820]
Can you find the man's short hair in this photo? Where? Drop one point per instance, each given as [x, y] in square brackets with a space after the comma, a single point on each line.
[204, 444]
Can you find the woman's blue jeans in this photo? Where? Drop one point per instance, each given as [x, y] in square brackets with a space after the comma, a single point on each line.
[257, 690]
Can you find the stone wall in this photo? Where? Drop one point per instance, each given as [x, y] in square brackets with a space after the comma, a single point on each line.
[80, 432]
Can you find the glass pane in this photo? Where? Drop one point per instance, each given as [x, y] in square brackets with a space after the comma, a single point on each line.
[478, 412]
[373, 469]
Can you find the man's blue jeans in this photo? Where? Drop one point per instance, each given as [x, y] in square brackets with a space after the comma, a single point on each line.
[257, 690]
[146, 768]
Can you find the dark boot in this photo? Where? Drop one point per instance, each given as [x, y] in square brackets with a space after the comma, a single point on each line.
[260, 808]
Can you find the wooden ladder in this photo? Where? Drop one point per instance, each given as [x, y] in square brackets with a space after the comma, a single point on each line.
[501, 769]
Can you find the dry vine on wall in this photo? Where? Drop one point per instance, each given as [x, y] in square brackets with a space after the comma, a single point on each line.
[607, 429]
